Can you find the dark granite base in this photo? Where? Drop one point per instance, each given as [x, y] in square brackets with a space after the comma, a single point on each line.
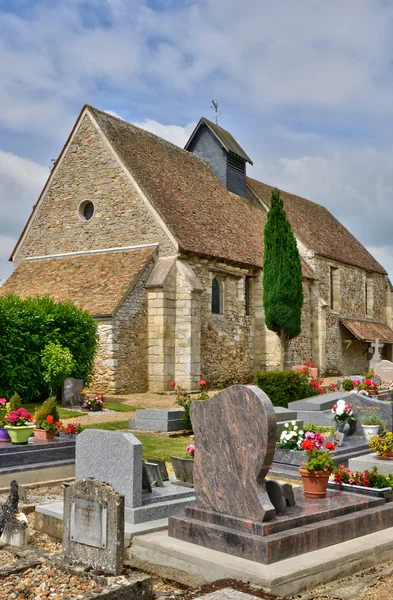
[34, 453]
[356, 445]
[308, 526]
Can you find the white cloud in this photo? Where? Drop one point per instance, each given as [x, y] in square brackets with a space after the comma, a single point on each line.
[355, 185]
[21, 181]
[173, 133]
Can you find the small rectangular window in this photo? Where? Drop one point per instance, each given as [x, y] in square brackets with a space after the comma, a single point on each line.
[247, 294]
[335, 296]
[369, 295]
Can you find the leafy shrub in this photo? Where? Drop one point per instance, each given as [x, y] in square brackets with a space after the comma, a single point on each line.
[372, 420]
[47, 408]
[27, 327]
[58, 364]
[185, 400]
[347, 385]
[14, 403]
[324, 429]
[285, 386]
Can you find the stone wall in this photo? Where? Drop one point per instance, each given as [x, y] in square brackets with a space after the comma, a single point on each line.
[121, 364]
[341, 357]
[90, 172]
[301, 347]
[227, 340]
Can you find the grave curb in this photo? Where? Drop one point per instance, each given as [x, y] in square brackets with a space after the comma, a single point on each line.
[188, 563]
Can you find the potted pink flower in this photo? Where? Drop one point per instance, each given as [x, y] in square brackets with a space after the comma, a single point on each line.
[20, 425]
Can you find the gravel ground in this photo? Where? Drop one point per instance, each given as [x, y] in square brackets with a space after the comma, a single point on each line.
[6, 557]
[45, 581]
[39, 495]
[105, 416]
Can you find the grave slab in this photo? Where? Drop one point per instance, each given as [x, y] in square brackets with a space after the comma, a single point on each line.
[226, 594]
[285, 414]
[368, 461]
[317, 403]
[195, 565]
[163, 419]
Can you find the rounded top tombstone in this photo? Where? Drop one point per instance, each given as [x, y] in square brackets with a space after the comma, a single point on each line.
[235, 436]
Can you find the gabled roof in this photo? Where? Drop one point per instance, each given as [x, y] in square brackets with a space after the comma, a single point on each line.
[226, 139]
[197, 208]
[96, 281]
[319, 230]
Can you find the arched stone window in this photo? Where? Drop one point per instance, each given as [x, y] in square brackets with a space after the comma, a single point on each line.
[217, 296]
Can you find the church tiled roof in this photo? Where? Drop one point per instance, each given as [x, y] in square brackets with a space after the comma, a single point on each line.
[206, 219]
[199, 211]
[319, 230]
[97, 282]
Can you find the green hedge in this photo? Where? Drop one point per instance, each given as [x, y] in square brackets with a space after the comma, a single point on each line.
[284, 386]
[26, 327]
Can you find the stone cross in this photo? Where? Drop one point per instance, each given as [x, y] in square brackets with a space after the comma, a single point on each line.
[377, 346]
[235, 438]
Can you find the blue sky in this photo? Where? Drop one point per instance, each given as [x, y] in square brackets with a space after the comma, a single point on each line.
[306, 87]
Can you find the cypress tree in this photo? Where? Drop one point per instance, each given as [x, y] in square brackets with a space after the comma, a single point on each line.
[282, 277]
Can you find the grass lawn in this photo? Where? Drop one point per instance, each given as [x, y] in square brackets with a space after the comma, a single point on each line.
[154, 446]
[120, 407]
[64, 413]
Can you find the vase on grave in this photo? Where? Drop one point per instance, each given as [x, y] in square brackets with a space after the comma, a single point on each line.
[4, 435]
[184, 470]
[343, 427]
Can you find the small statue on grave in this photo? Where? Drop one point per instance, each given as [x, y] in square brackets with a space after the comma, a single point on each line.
[9, 511]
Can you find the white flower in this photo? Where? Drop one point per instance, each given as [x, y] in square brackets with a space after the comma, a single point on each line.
[293, 422]
[286, 425]
[340, 410]
[296, 428]
[301, 433]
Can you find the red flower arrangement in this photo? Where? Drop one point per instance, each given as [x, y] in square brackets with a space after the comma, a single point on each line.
[72, 428]
[318, 459]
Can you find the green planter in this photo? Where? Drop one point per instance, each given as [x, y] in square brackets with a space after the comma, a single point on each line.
[20, 435]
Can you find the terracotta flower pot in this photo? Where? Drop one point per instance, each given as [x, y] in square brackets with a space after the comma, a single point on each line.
[315, 483]
[42, 435]
[373, 392]
[386, 456]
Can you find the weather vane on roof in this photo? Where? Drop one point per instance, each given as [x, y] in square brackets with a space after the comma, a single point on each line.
[217, 114]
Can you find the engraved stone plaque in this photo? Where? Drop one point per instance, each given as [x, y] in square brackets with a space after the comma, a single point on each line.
[88, 522]
[93, 532]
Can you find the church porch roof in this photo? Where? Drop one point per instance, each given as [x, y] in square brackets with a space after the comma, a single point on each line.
[97, 281]
[368, 331]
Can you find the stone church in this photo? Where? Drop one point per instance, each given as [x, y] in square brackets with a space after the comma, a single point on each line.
[164, 247]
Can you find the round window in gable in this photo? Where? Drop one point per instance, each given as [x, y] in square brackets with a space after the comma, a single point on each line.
[86, 210]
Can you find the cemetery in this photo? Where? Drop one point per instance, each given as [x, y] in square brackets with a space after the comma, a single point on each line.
[239, 503]
[277, 487]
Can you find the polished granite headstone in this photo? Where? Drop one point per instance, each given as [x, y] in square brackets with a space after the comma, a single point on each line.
[233, 514]
[232, 459]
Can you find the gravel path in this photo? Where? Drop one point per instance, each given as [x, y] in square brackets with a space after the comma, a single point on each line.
[104, 417]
